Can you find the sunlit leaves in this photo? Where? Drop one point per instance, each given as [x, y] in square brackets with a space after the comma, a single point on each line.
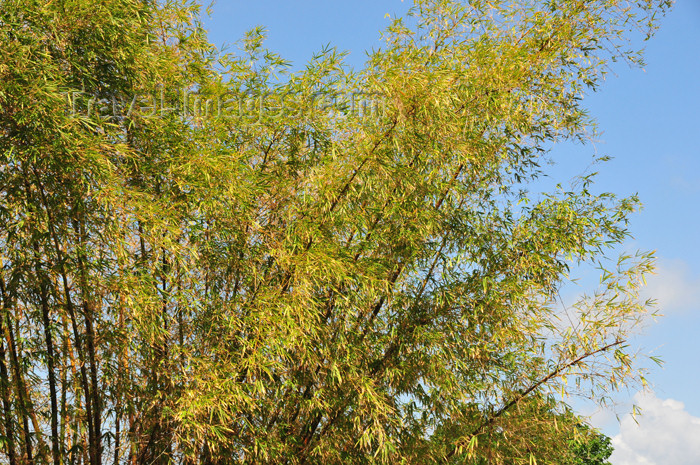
[244, 265]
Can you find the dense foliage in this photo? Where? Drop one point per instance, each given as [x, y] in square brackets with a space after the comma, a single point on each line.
[202, 263]
[593, 449]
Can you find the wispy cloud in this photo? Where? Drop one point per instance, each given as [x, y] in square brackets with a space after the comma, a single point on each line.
[665, 434]
[674, 286]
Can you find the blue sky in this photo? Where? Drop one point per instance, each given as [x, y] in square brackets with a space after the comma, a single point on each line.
[650, 121]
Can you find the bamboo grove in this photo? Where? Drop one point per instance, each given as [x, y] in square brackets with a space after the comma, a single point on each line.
[207, 259]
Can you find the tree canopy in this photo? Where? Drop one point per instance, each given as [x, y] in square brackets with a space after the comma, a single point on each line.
[208, 259]
[594, 449]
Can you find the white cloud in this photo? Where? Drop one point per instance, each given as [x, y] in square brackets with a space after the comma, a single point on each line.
[666, 434]
[674, 286]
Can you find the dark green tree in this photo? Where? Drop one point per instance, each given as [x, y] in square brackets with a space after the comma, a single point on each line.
[593, 448]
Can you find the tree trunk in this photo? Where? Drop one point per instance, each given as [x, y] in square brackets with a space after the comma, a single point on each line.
[50, 358]
[6, 403]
